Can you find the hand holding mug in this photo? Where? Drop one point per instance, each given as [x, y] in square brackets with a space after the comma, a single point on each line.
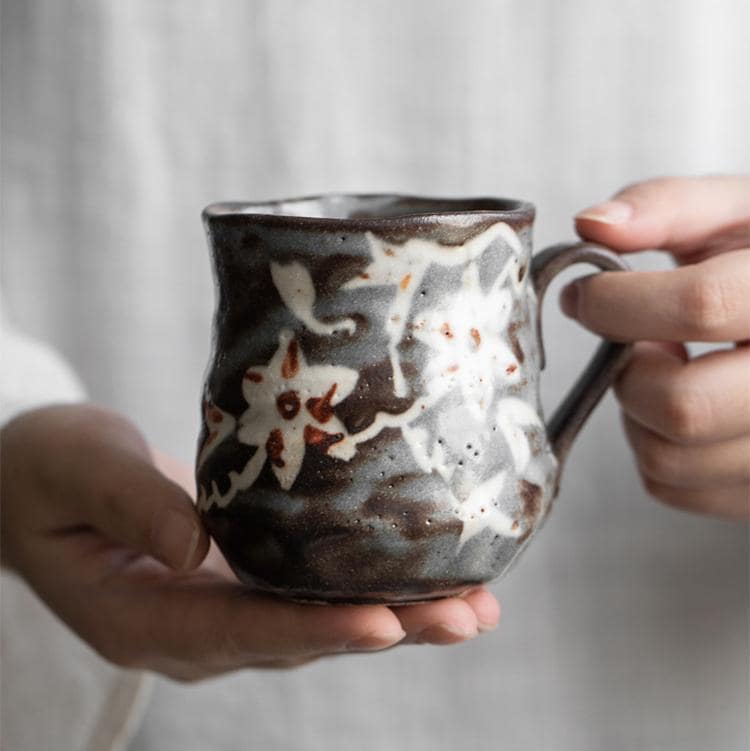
[688, 419]
[103, 528]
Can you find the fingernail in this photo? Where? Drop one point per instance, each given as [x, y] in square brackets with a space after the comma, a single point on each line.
[375, 641]
[609, 212]
[569, 300]
[176, 538]
[485, 627]
[444, 633]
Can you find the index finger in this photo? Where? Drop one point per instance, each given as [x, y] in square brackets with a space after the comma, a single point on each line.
[707, 302]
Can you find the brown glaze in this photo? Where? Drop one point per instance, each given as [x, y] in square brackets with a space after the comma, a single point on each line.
[531, 499]
[316, 437]
[321, 408]
[275, 447]
[285, 557]
[515, 345]
[372, 394]
[290, 366]
[288, 404]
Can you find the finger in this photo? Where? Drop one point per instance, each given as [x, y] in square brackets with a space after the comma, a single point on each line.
[707, 302]
[134, 504]
[693, 217]
[696, 402]
[485, 606]
[448, 621]
[230, 626]
[192, 624]
[110, 484]
[178, 472]
[731, 503]
[722, 464]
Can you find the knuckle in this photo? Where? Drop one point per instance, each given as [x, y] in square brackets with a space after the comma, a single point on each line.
[660, 491]
[661, 460]
[704, 306]
[685, 414]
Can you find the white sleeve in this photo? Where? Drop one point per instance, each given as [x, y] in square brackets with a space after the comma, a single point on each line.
[43, 657]
[32, 374]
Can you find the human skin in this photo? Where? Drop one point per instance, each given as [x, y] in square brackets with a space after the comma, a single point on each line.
[105, 531]
[687, 419]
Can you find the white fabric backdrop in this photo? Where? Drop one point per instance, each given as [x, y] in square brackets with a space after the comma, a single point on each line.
[626, 624]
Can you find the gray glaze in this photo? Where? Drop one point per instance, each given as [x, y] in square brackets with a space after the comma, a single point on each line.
[372, 427]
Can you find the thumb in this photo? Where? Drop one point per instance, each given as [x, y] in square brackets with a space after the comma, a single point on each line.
[110, 483]
[693, 217]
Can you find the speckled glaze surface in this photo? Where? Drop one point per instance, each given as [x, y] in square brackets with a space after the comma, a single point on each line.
[372, 427]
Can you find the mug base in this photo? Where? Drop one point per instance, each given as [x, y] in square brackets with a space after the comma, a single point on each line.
[366, 598]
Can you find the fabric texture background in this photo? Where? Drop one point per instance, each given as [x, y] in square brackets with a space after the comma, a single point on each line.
[626, 623]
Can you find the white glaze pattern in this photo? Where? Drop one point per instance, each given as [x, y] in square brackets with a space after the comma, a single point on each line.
[464, 332]
[289, 408]
[469, 354]
[479, 511]
[512, 414]
[404, 266]
[295, 285]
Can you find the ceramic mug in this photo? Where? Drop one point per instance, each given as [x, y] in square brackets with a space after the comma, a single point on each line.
[372, 430]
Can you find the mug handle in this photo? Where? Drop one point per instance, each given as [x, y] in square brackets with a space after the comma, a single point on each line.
[608, 360]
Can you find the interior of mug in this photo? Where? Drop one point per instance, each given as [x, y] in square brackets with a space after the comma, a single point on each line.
[343, 206]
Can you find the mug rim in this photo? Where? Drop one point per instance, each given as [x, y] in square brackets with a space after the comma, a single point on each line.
[516, 212]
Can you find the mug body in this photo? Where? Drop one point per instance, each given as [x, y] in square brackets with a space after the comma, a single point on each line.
[372, 430]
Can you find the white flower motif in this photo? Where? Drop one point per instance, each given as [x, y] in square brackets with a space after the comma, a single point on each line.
[465, 333]
[513, 413]
[291, 407]
[480, 511]
[404, 267]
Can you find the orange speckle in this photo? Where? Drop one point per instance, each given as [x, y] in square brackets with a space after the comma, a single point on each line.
[253, 376]
[275, 447]
[389, 252]
[405, 281]
[512, 368]
[364, 276]
[316, 437]
[476, 336]
[446, 330]
[452, 368]
[288, 404]
[320, 408]
[214, 415]
[290, 366]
